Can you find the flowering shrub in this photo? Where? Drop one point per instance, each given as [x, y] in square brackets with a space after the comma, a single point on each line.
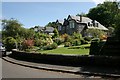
[27, 44]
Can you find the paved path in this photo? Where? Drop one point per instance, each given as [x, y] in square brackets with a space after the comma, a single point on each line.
[10, 70]
[98, 71]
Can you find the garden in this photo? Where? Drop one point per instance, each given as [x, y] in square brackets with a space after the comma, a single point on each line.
[29, 40]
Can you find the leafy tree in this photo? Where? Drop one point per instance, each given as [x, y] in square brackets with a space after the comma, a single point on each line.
[51, 24]
[11, 27]
[105, 13]
[117, 29]
[95, 33]
[81, 14]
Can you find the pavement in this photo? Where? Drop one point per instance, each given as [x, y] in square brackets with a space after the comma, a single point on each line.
[84, 70]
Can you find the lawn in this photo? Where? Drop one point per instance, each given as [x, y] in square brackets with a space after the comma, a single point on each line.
[69, 50]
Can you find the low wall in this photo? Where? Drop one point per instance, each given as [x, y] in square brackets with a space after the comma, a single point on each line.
[72, 60]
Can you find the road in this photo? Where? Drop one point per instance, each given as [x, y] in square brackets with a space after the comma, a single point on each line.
[10, 70]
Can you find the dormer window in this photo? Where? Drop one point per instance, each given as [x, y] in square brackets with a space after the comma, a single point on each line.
[91, 25]
[96, 24]
[88, 23]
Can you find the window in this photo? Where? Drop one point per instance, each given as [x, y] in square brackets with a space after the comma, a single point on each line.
[59, 28]
[88, 23]
[91, 25]
[72, 24]
[96, 24]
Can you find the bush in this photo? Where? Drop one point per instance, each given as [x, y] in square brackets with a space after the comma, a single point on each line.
[54, 45]
[58, 41]
[67, 44]
[96, 46]
[40, 43]
[96, 40]
[27, 44]
[66, 38]
[87, 38]
[10, 43]
[50, 47]
[76, 42]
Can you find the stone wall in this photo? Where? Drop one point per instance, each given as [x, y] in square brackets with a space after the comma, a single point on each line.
[71, 60]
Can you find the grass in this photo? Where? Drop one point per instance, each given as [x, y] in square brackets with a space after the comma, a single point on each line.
[67, 50]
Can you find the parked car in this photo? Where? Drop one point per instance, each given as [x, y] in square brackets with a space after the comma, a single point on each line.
[2, 50]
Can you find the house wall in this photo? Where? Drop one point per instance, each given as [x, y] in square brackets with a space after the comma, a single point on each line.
[71, 27]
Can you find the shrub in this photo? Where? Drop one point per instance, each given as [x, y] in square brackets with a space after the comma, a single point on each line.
[76, 42]
[39, 42]
[96, 46]
[87, 38]
[27, 44]
[58, 41]
[95, 40]
[10, 43]
[50, 47]
[67, 44]
[66, 38]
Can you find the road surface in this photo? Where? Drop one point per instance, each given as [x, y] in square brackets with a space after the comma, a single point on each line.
[10, 70]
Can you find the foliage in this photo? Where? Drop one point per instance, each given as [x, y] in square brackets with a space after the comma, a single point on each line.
[58, 41]
[77, 36]
[56, 33]
[87, 38]
[96, 46]
[67, 44]
[81, 14]
[105, 13]
[95, 33]
[66, 38]
[51, 24]
[27, 44]
[10, 43]
[50, 47]
[11, 28]
[111, 31]
[117, 29]
[76, 42]
[96, 40]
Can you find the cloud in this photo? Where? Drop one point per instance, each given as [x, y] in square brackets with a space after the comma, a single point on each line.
[101, 1]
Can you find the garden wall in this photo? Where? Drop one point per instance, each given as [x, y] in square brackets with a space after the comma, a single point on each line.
[71, 60]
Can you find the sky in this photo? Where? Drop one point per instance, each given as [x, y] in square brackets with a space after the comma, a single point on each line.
[40, 13]
[31, 14]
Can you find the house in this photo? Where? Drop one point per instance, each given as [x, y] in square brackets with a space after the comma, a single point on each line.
[38, 29]
[60, 24]
[78, 24]
[49, 30]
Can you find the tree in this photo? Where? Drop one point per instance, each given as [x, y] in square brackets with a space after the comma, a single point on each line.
[11, 27]
[82, 14]
[51, 24]
[117, 29]
[95, 33]
[105, 13]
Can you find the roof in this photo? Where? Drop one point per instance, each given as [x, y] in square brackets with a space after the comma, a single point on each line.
[86, 20]
[49, 29]
[60, 21]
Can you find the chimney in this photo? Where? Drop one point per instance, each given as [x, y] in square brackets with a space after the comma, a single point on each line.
[80, 18]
